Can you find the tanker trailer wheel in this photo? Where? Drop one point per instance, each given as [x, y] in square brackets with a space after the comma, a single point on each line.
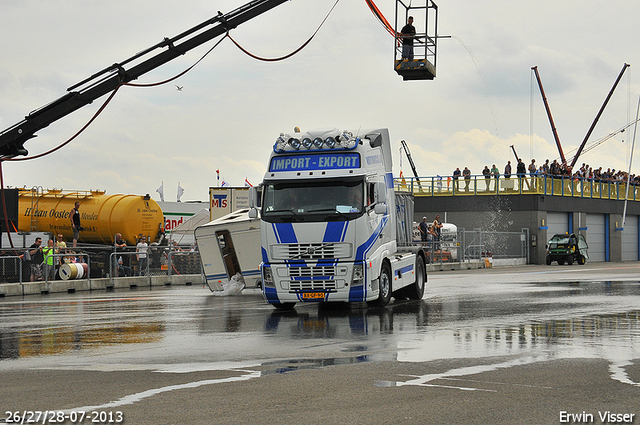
[384, 295]
[415, 291]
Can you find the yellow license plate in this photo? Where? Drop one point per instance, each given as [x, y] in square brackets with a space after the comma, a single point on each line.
[312, 295]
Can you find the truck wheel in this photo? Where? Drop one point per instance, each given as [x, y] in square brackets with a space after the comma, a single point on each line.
[581, 260]
[549, 260]
[415, 291]
[384, 295]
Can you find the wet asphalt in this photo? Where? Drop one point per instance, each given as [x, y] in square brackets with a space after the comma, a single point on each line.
[518, 345]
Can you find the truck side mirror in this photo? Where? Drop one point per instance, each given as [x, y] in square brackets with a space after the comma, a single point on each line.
[253, 204]
[381, 192]
[380, 208]
[253, 196]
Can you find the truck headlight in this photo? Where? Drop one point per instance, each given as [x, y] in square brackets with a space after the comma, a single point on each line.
[267, 277]
[358, 275]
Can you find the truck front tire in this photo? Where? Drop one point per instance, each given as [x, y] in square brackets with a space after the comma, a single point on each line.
[384, 287]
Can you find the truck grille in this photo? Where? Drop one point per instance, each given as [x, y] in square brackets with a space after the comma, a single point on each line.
[312, 285]
[319, 278]
[311, 251]
[312, 271]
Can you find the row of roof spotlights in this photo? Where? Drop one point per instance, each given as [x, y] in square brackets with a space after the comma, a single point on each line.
[345, 140]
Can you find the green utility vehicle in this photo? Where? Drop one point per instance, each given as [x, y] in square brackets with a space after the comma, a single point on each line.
[567, 248]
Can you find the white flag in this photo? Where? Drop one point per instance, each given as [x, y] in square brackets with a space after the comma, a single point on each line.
[160, 190]
[180, 191]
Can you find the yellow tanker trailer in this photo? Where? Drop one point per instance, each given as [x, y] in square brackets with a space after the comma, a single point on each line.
[101, 215]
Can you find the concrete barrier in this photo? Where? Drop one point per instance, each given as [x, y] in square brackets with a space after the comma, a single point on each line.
[71, 286]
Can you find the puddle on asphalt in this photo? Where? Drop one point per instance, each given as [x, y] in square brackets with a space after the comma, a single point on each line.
[64, 340]
[592, 318]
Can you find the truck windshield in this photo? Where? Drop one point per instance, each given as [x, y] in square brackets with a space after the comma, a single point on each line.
[313, 200]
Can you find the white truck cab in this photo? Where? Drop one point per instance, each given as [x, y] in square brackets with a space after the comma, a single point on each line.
[331, 229]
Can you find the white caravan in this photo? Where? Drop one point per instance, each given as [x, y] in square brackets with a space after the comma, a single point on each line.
[230, 245]
[331, 226]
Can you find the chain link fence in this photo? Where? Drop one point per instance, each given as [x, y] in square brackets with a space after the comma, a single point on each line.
[162, 261]
[477, 244]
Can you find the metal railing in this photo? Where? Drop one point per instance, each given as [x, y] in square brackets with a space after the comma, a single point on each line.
[477, 244]
[11, 269]
[474, 245]
[523, 185]
[162, 261]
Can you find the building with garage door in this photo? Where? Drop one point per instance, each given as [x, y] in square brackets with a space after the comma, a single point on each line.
[543, 205]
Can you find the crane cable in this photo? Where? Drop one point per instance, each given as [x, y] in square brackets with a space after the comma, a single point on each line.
[378, 14]
[159, 83]
[292, 53]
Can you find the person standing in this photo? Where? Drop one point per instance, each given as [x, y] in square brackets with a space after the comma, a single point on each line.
[532, 172]
[466, 173]
[141, 254]
[424, 231]
[456, 175]
[37, 258]
[408, 33]
[61, 248]
[521, 170]
[60, 243]
[487, 176]
[74, 216]
[495, 173]
[437, 227]
[49, 266]
[507, 170]
[120, 246]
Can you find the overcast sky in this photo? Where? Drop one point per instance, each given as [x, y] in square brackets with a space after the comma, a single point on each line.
[232, 107]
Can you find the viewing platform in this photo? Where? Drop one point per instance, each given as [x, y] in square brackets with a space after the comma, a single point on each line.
[541, 206]
[538, 185]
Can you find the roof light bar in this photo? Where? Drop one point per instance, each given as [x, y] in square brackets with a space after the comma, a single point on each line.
[339, 141]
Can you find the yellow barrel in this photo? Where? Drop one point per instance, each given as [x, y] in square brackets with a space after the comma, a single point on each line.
[101, 215]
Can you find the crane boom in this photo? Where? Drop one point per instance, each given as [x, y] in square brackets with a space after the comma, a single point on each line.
[85, 92]
[595, 121]
[553, 125]
[413, 166]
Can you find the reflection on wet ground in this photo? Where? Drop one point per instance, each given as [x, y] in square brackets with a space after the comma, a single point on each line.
[186, 325]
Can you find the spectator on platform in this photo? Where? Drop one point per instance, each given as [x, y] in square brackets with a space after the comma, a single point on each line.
[466, 173]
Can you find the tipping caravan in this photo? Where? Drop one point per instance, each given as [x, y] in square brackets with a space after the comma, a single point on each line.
[332, 228]
[230, 245]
